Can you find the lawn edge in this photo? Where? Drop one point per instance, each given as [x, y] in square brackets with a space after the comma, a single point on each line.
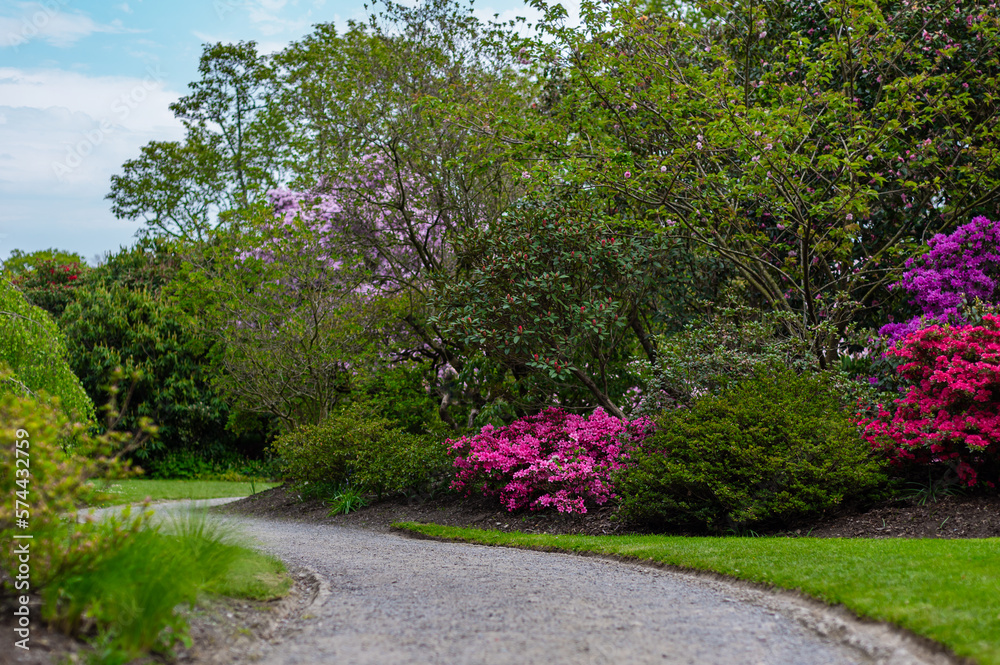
[923, 645]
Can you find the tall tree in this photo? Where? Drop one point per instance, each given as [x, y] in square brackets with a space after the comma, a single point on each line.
[814, 174]
[230, 157]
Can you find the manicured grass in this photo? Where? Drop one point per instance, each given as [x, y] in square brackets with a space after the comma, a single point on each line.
[256, 576]
[136, 490]
[947, 590]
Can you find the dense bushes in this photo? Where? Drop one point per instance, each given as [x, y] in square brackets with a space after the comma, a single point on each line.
[728, 345]
[552, 459]
[358, 447]
[768, 451]
[116, 328]
[154, 343]
[51, 284]
[948, 417]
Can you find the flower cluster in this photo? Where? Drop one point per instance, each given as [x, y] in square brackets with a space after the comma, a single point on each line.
[384, 213]
[957, 269]
[553, 459]
[949, 414]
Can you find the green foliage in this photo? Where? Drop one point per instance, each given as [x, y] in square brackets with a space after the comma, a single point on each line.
[353, 445]
[226, 162]
[178, 464]
[554, 290]
[128, 589]
[192, 464]
[114, 328]
[125, 318]
[47, 278]
[19, 262]
[400, 393]
[344, 501]
[717, 351]
[293, 329]
[814, 174]
[36, 464]
[149, 265]
[34, 349]
[768, 451]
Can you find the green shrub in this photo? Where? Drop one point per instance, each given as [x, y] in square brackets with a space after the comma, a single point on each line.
[39, 472]
[400, 394]
[727, 346]
[34, 351]
[185, 464]
[51, 284]
[178, 464]
[358, 447]
[767, 452]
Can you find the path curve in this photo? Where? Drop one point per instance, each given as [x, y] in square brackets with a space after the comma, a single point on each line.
[390, 600]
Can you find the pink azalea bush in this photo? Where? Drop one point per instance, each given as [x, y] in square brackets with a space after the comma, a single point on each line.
[552, 459]
[950, 413]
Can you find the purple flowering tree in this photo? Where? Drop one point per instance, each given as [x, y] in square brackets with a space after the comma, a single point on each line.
[296, 318]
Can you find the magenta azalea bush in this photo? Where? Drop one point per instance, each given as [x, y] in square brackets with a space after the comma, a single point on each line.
[552, 459]
[958, 268]
[950, 413]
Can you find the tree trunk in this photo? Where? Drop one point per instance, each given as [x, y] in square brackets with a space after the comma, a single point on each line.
[601, 397]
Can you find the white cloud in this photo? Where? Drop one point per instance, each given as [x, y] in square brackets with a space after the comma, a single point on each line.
[264, 13]
[135, 103]
[34, 20]
[66, 134]
[487, 13]
[124, 7]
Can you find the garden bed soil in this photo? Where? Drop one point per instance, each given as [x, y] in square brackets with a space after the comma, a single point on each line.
[948, 517]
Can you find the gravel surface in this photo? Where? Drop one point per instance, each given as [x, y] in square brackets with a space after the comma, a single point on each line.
[388, 599]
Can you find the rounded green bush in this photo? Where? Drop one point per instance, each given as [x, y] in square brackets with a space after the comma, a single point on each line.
[358, 447]
[771, 451]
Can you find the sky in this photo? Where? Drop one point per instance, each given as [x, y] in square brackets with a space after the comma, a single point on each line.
[85, 84]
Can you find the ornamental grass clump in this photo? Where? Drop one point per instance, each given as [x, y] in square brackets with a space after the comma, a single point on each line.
[552, 459]
[949, 416]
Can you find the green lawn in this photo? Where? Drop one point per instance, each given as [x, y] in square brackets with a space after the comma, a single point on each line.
[137, 490]
[947, 590]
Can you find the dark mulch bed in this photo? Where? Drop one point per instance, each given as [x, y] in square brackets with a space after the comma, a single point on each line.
[949, 517]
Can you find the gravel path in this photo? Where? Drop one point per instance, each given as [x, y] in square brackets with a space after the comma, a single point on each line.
[387, 599]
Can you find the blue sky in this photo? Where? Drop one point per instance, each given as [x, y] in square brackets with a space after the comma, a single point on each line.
[85, 84]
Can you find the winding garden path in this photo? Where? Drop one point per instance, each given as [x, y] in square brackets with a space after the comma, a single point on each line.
[387, 599]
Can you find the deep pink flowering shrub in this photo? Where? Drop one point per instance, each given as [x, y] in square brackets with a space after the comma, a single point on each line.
[553, 459]
[958, 268]
[950, 413]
